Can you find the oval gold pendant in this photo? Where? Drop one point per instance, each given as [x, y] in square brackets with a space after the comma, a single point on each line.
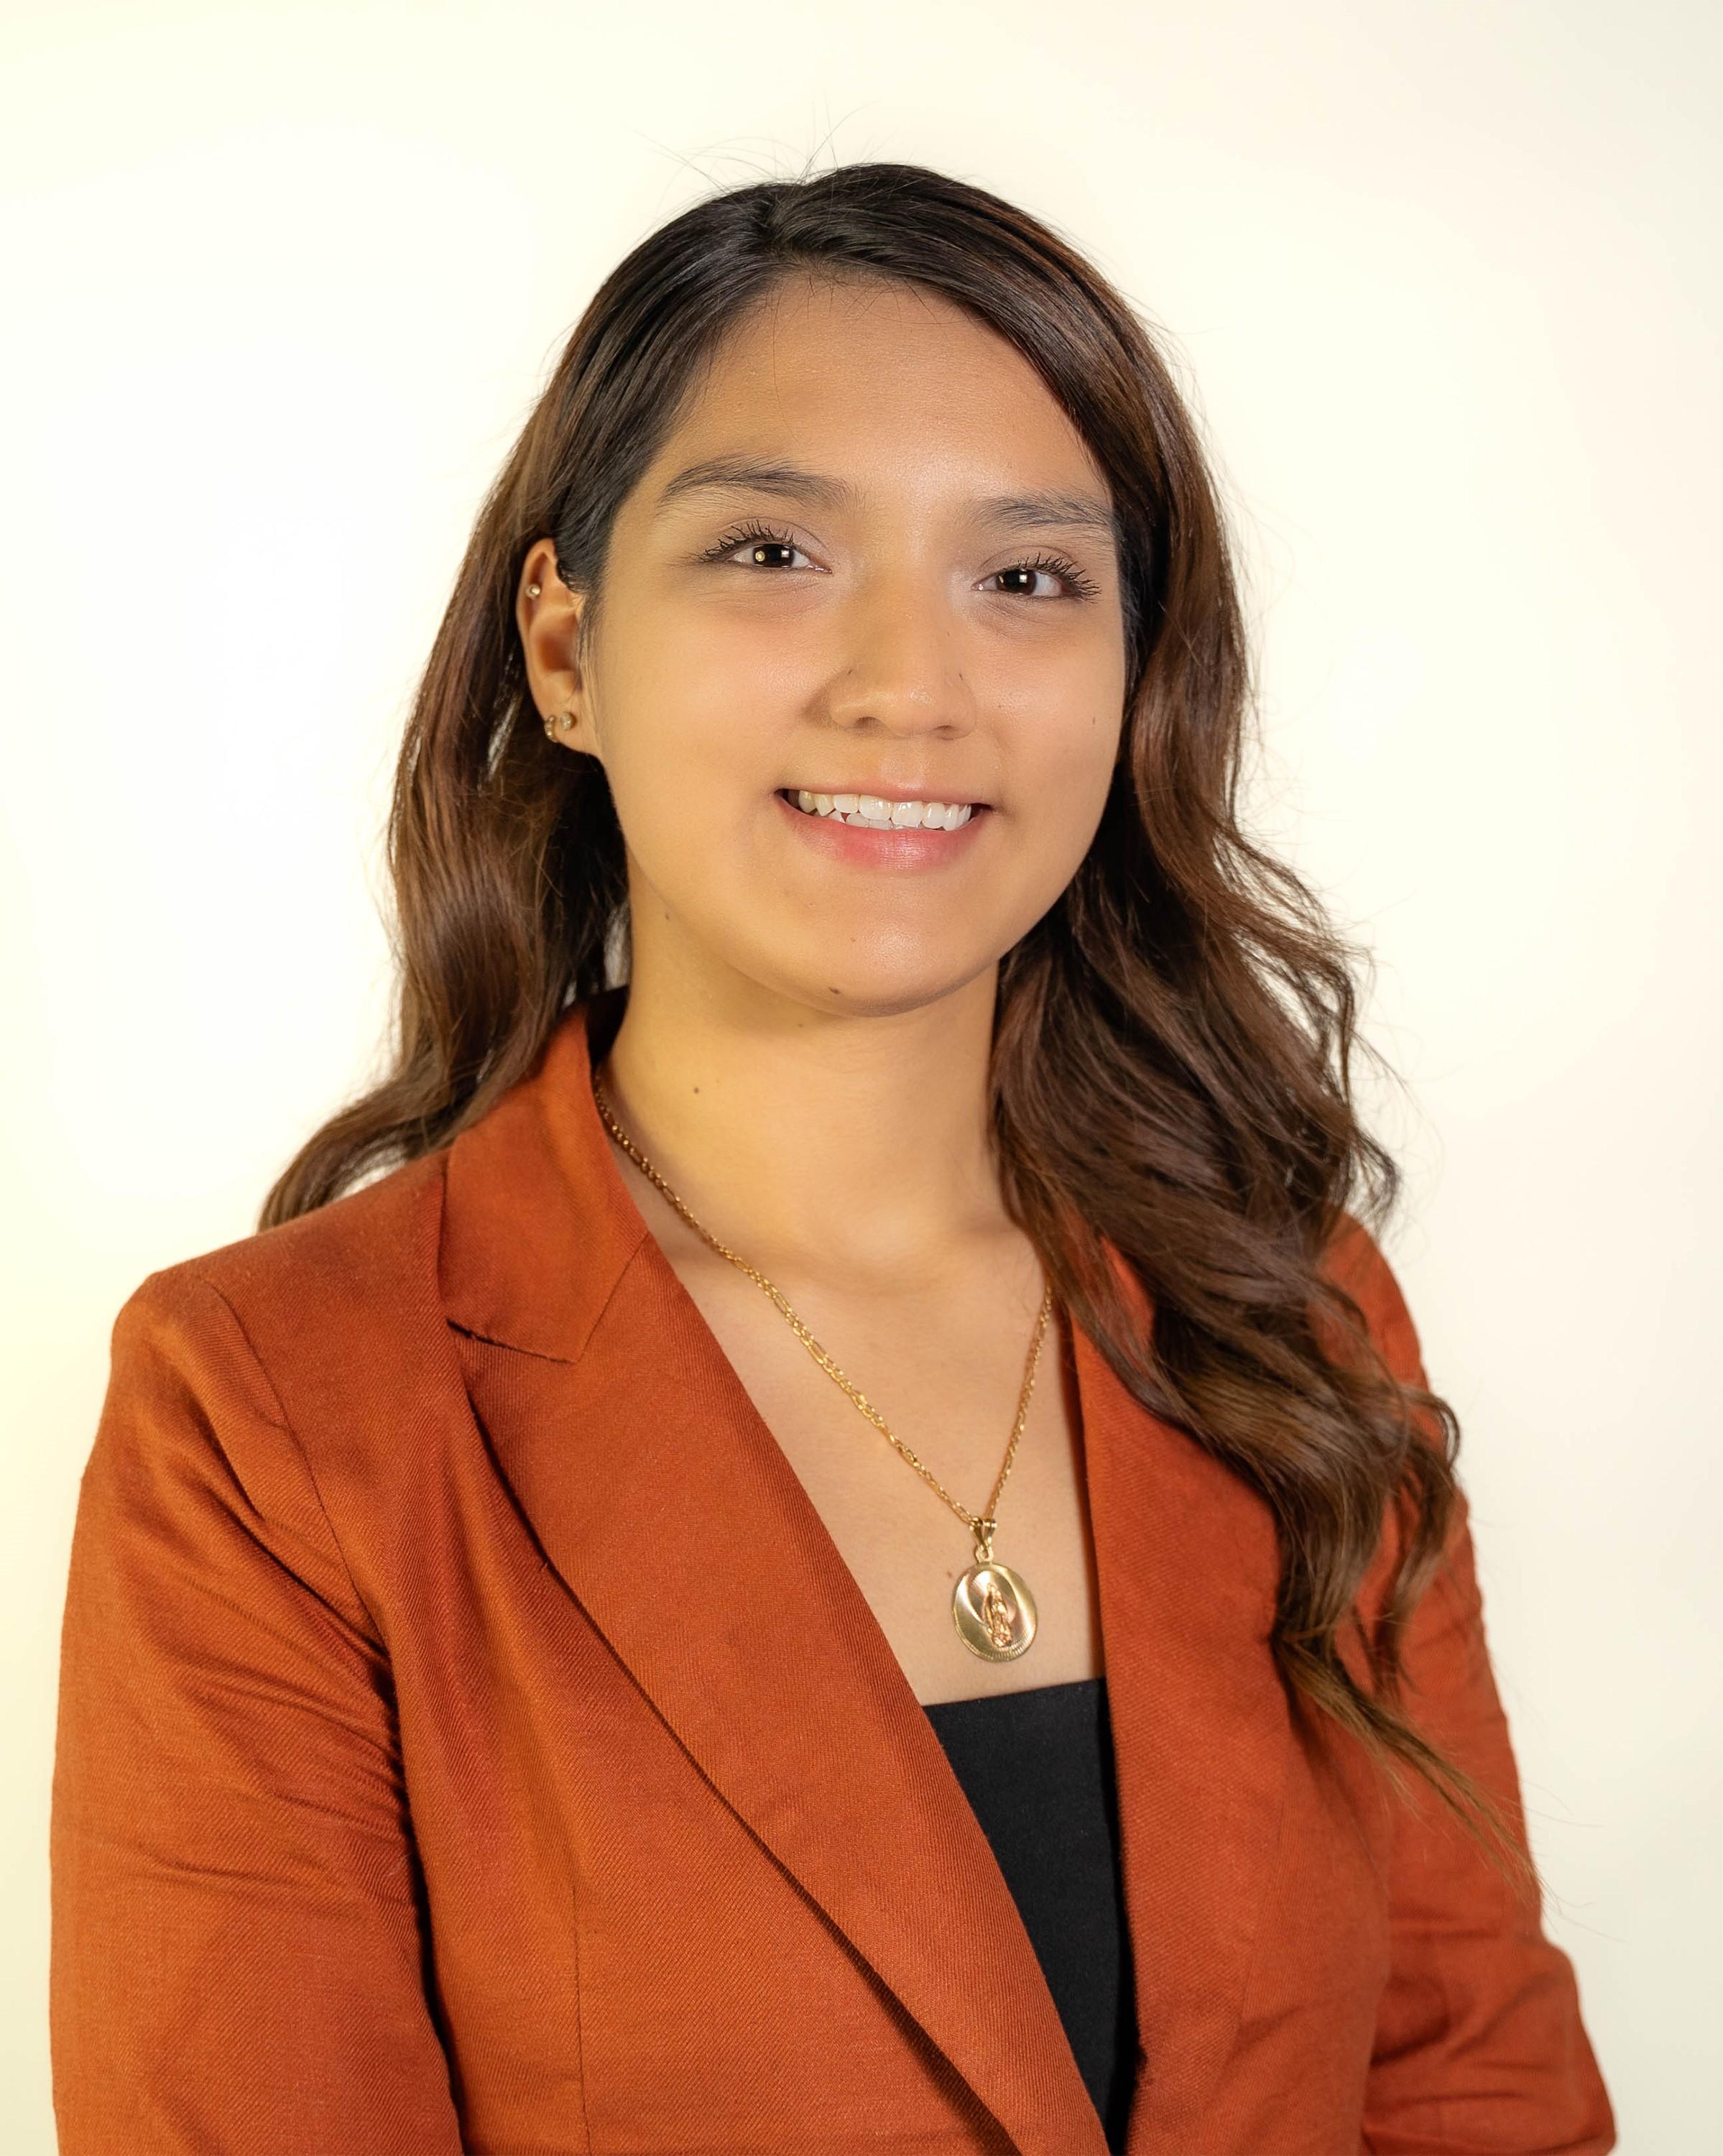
[994, 1611]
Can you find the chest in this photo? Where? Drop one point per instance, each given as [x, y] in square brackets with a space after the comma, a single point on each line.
[946, 1381]
[654, 1754]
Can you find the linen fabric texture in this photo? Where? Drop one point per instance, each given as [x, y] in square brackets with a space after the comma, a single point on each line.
[471, 1740]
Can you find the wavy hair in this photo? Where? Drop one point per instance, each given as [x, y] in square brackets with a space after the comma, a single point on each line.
[1171, 1060]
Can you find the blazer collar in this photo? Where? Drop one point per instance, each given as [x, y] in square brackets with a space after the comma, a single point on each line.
[835, 1766]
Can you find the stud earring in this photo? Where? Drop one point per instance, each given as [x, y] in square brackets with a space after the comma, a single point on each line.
[564, 720]
[533, 591]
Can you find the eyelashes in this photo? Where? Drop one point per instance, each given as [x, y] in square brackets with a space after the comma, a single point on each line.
[1077, 585]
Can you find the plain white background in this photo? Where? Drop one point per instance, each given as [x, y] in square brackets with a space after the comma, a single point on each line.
[1442, 281]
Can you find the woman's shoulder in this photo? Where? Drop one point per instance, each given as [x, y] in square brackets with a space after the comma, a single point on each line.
[290, 1378]
[1355, 1262]
[270, 1402]
[363, 1264]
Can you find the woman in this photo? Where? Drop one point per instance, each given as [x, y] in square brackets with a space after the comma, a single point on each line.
[849, 1547]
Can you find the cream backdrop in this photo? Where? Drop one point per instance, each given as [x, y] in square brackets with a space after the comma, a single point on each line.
[1444, 280]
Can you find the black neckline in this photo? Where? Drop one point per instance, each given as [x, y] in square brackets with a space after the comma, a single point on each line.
[1076, 1687]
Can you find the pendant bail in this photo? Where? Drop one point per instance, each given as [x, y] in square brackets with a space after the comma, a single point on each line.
[983, 1531]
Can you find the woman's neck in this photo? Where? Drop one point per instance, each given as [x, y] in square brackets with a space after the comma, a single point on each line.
[855, 1148]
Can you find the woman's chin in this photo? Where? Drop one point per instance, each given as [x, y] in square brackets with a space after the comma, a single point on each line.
[890, 989]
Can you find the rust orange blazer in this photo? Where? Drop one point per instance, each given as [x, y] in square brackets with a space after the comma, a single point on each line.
[470, 1739]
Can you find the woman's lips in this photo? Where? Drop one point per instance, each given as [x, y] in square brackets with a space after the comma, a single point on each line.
[904, 846]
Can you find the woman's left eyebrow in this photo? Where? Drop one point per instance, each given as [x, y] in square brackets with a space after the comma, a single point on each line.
[1044, 510]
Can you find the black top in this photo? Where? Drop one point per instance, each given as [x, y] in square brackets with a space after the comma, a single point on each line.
[1036, 1766]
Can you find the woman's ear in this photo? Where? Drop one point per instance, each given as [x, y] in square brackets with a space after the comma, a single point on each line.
[548, 614]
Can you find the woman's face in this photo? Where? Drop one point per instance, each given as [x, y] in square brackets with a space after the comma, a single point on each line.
[915, 598]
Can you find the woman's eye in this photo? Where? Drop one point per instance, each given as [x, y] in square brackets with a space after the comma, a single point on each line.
[763, 541]
[1077, 585]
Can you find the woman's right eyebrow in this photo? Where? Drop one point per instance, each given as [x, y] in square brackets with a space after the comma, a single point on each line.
[757, 475]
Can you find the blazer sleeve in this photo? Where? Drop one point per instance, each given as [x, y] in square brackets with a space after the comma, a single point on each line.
[238, 1943]
[1480, 2048]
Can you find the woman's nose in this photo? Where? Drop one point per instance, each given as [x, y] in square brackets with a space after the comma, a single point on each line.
[901, 663]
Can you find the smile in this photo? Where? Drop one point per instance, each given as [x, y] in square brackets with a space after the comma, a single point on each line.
[878, 832]
[877, 812]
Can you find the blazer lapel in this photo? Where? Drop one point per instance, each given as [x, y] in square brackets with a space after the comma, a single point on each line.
[1188, 1564]
[675, 1520]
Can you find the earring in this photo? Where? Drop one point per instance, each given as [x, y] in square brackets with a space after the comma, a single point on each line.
[564, 720]
[533, 591]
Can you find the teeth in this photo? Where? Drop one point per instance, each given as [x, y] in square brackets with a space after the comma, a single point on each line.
[872, 811]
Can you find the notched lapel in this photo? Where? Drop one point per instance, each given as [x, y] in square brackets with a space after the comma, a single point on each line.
[781, 1685]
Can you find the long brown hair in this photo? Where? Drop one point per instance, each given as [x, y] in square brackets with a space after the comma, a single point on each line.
[1173, 1039]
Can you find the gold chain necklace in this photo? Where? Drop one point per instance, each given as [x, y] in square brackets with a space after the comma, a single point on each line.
[991, 1606]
